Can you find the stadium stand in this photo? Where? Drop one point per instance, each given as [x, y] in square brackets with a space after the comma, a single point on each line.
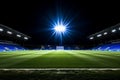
[108, 47]
[12, 36]
[109, 38]
[9, 46]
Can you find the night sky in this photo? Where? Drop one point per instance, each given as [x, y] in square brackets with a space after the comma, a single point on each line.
[35, 18]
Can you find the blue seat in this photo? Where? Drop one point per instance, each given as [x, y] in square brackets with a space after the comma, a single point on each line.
[10, 47]
[108, 47]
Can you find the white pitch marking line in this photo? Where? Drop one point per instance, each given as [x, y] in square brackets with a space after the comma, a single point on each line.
[49, 69]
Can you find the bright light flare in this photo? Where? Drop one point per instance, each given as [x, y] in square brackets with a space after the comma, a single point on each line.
[1, 29]
[91, 38]
[60, 28]
[26, 38]
[114, 30]
[9, 32]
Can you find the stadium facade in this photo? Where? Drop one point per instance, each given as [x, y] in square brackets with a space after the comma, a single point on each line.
[107, 39]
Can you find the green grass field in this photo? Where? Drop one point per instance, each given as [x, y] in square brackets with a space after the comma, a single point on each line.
[60, 59]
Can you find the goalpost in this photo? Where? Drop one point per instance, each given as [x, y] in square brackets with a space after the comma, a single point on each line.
[59, 47]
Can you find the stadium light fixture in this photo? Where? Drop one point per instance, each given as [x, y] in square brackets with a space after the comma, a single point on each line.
[1, 29]
[99, 35]
[18, 35]
[91, 38]
[114, 30]
[105, 33]
[60, 28]
[26, 38]
[9, 32]
[119, 28]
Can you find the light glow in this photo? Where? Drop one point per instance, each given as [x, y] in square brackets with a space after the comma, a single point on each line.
[114, 30]
[99, 35]
[26, 38]
[18, 35]
[91, 38]
[1, 29]
[60, 28]
[119, 28]
[9, 32]
[105, 33]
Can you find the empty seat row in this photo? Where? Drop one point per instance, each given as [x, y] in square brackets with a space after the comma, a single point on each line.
[10, 47]
[108, 47]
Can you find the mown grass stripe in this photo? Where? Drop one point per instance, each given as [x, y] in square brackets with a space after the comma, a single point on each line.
[12, 61]
[98, 60]
[60, 59]
[53, 59]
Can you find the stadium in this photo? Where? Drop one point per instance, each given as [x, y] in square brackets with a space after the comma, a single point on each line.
[59, 47]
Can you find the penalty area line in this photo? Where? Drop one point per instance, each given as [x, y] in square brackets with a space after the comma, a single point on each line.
[58, 69]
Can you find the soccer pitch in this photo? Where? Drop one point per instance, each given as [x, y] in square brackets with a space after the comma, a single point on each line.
[59, 59]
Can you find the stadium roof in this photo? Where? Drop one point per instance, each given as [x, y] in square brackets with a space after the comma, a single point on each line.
[9, 31]
[106, 31]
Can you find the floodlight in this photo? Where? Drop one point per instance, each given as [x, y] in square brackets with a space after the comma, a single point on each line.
[99, 35]
[1, 29]
[60, 28]
[114, 30]
[9, 32]
[119, 28]
[105, 33]
[18, 35]
[26, 38]
[91, 38]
